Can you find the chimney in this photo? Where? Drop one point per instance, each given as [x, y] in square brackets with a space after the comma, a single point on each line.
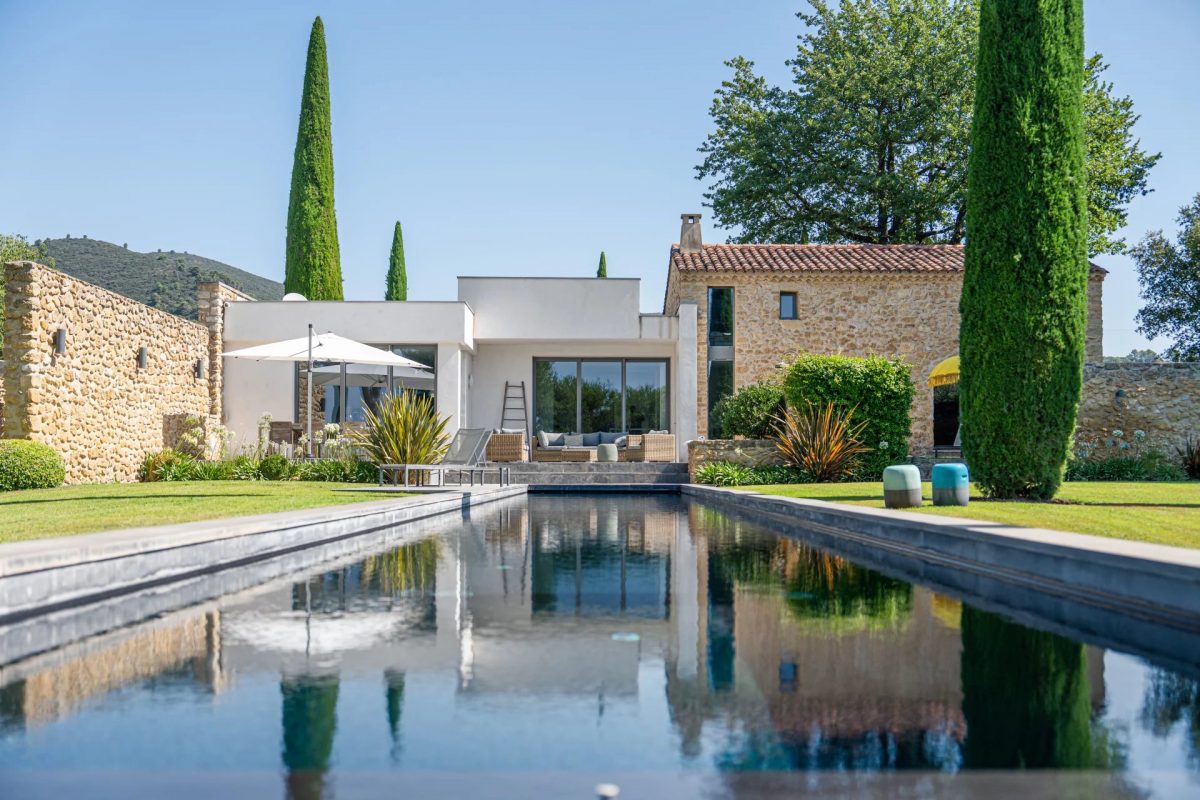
[689, 234]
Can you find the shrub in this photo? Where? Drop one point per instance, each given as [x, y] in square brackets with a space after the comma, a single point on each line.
[724, 473]
[168, 465]
[821, 443]
[29, 465]
[1189, 457]
[274, 467]
[750, 411]
[1147, 466]
[245, 468]
[213, 471]
[336, 471]
[880, 390]
[191, 439]
[405, 429]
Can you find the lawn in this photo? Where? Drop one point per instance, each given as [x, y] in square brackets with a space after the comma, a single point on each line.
[68, 510]
[1163, 513]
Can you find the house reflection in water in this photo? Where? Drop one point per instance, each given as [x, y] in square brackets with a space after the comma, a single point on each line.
[747, 651]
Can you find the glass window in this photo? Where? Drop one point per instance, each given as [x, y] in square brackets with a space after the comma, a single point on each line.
[555, 396]
[368, 384]
[600, 395]
[720, 386]
[600, 405]
[720, 316]
[646, 399]
[787, 305]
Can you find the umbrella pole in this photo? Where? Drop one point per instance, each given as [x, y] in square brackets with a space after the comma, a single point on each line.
[345, 396]
[308, 385]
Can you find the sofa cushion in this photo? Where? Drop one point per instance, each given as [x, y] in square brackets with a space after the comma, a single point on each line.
[591, 439]
[547, 439]
[573, 439]
[611, 438]
[658, 432]
[509, 430]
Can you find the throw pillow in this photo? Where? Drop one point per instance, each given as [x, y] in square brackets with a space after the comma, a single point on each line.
[573, 440]
[622, 440]
[611, 438]
[591, 439]
[548, 439]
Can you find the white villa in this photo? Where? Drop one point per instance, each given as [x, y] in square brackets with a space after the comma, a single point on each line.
[589, 360]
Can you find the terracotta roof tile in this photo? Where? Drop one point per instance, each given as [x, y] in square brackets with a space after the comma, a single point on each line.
[863, 258]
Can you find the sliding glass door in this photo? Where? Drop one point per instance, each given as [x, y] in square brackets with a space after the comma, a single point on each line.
[601, 394]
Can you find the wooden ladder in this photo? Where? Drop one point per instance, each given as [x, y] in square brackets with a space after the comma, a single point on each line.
[513, 409]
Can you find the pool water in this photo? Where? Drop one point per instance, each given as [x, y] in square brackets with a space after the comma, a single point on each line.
[547, 644]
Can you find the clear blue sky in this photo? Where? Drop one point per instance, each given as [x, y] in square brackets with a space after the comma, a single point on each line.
[510, 138]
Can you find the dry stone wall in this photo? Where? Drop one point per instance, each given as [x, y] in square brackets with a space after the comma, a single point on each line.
[1162, 399]
[910, 315]
[747, 452]
[93, 403]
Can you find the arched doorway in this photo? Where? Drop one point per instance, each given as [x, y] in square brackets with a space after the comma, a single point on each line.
[943, 379]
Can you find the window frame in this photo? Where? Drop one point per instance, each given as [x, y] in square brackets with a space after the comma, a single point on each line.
[579, 362]
[795, 306]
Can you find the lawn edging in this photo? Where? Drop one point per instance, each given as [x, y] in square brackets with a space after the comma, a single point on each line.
[41, 576]
[1150, 582]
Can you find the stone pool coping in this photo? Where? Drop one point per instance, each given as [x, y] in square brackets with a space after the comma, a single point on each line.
[1144, 581]
[42, 575]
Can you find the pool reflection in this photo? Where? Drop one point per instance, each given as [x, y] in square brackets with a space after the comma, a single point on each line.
[582, 633]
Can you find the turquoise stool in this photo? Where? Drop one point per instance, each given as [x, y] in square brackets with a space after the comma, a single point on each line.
[902, 486]
[951, 485]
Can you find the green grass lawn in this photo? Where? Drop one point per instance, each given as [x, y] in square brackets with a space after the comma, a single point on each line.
[1163, 513]
[68, 510]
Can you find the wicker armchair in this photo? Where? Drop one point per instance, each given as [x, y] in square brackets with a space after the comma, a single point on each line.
[507, 447]
[650, 447]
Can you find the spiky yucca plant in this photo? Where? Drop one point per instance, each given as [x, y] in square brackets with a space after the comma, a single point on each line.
[404, 429]
[820, 441]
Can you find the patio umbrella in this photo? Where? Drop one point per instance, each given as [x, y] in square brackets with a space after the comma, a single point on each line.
[944, 373]
[322, 347]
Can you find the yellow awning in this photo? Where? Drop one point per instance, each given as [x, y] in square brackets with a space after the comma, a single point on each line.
[945, 373]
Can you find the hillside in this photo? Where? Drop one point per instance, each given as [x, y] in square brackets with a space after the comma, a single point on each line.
[163, 280]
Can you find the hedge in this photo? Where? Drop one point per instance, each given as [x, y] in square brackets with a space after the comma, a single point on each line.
[880, 390]
[749, 412]
[29, 465]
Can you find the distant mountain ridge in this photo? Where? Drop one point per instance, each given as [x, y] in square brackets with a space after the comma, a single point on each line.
[165, 280]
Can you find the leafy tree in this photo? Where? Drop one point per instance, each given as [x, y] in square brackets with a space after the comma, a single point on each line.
[313, 265]
[1024, 297]
[1169, 276]
[602, 270]
[397, 277]
[14, 247]
[870, 143]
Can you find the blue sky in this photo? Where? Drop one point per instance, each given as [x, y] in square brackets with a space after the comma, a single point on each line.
[509, 138]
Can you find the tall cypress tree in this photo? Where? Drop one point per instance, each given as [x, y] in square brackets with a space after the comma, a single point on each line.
[397, 278]
[313, 264]
[1024, 298]
[602, 270]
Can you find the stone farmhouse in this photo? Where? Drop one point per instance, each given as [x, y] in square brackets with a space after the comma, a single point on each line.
[758, 304]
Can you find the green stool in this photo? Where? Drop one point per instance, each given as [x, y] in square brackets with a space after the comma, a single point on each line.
[901, 486]
[951, 485]
[606, 453]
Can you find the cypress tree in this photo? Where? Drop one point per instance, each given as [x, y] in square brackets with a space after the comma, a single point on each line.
[313, 263]
[397, 278]
[1024, 297]
[602, 270]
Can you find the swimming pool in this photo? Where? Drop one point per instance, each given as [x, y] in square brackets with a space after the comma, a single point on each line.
[542, 645]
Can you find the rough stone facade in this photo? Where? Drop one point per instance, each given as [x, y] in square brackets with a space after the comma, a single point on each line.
[747, 452]
[910, 315]
[93, 403]
[1161, 399]
[212, 297]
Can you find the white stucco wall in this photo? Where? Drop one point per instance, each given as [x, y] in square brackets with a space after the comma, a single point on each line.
[373, 322]
[537, 309]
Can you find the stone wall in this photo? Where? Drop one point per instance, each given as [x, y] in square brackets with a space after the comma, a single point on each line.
[212, 298]
[747, 452]
[910, 315]
[1161, 399]
[93, 403]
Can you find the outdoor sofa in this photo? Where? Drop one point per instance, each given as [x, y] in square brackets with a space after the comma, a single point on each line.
[561, 447]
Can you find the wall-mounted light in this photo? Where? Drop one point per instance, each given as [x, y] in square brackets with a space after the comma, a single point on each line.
[60, 341]
[143, 357]
[198, 369]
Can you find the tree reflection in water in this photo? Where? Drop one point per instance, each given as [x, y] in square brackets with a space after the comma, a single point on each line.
[1025, 697]
[1172, 699]
[309, 722]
